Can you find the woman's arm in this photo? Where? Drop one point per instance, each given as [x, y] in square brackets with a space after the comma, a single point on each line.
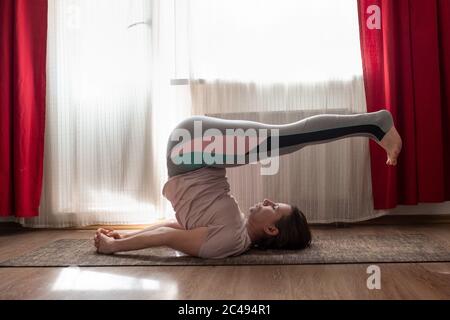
[186, 241]
[169, 223]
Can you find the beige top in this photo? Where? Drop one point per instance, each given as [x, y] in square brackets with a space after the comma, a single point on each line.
[202, 198]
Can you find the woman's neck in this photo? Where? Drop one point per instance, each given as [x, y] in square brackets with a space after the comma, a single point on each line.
[253, 231]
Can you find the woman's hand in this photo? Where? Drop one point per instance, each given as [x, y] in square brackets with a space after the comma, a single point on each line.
[110, 233]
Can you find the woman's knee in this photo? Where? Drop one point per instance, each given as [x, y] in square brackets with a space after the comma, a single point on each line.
[189, 122]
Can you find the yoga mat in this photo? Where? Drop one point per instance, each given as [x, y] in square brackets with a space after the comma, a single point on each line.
[324, 250]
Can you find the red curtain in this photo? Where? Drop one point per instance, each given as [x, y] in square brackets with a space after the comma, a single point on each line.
[406, 66]
[23, 42]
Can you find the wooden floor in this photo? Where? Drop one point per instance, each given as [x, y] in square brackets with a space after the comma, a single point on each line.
[398, 281]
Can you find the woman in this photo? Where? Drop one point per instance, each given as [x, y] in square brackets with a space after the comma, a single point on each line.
[209, 223]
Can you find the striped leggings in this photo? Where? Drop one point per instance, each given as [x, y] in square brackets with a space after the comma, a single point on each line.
[202, 141]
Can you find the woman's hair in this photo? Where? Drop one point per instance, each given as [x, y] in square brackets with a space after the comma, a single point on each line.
[294, 233]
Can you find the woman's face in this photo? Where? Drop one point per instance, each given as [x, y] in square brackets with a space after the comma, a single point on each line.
[269, 212]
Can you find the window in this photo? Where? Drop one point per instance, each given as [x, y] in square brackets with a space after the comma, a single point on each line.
[270, 40]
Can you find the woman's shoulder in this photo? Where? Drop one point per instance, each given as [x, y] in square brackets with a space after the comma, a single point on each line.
[224, 241]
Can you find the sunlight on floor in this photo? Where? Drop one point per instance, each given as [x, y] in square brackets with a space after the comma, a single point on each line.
[77, 279]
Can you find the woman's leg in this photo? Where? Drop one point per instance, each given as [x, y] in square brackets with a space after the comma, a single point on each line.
[196, 149]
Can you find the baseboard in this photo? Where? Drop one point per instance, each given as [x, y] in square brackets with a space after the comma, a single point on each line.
[9, 225]
[16, 225]
[410, 219]
[399, 220]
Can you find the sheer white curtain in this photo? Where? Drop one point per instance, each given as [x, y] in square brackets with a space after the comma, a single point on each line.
[112, 101]
[271, 55]
[100, 146]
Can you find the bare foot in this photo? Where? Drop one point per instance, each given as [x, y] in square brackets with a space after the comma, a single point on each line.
[392, 143]
[104, 244]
